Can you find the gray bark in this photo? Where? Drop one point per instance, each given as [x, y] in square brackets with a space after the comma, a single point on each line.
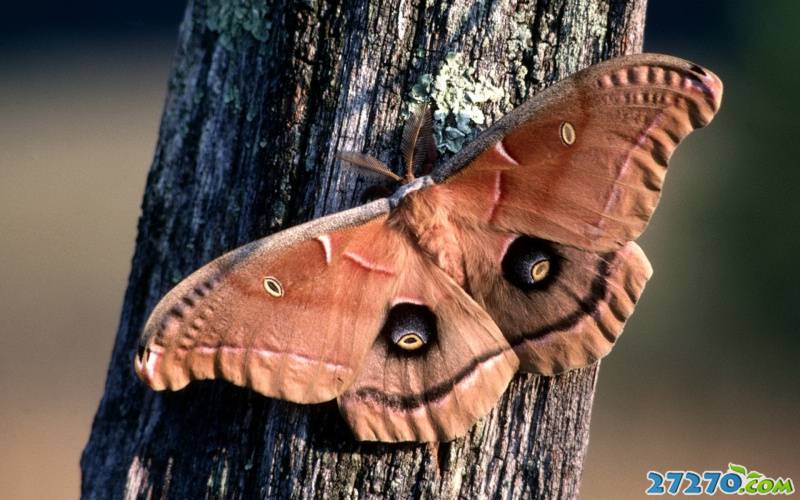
[261, 96]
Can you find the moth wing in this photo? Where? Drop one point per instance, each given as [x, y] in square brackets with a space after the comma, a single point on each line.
[574, 316]
[438, 392]
[583, 162]
[578, 170]
[320, 329]
[290, 316]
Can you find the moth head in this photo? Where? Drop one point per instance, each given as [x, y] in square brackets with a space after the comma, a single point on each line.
[410, 327]
[530, 263]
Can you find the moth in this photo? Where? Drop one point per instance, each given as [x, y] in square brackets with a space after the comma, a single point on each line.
[415, 311]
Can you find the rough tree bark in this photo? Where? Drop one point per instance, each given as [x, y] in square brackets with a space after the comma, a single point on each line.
[261, 96]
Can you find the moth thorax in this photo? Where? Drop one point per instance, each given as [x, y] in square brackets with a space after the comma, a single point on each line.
[409, 327]
[530, 263]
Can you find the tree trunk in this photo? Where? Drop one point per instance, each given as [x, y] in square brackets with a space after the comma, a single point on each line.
[261, 97]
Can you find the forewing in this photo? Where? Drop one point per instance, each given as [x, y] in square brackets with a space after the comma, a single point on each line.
[319, 328]
[290, 316]
[583, 162]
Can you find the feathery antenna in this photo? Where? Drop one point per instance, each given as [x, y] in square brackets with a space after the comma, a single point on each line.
[419, 148]
[367, 162]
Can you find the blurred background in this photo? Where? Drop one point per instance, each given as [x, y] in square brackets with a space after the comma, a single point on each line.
[705, 374]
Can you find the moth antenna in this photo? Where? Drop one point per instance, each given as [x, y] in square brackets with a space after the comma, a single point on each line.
[367, 162]
[417, 140]
[431, 154]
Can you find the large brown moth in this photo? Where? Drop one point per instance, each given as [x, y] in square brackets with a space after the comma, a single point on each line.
[415, 311]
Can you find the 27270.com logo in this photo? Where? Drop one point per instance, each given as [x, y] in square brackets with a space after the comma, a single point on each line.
[737, 480]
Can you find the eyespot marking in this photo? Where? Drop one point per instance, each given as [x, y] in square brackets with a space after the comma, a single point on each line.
[540, 269]
[409, 327]
[567, 132]
[410, 341]
[273, 286]
[530, 264]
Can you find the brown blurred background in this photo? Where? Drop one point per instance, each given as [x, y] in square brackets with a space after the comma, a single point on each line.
[704, 375]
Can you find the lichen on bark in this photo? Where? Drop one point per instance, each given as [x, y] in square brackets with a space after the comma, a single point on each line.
[236, 21]
[457, 95]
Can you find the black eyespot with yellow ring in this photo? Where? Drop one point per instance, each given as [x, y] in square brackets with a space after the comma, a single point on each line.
[530, 263]
[410, 328]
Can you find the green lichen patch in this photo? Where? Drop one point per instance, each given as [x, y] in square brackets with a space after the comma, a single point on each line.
[518, 45]
[457, 94]
[239, 21]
